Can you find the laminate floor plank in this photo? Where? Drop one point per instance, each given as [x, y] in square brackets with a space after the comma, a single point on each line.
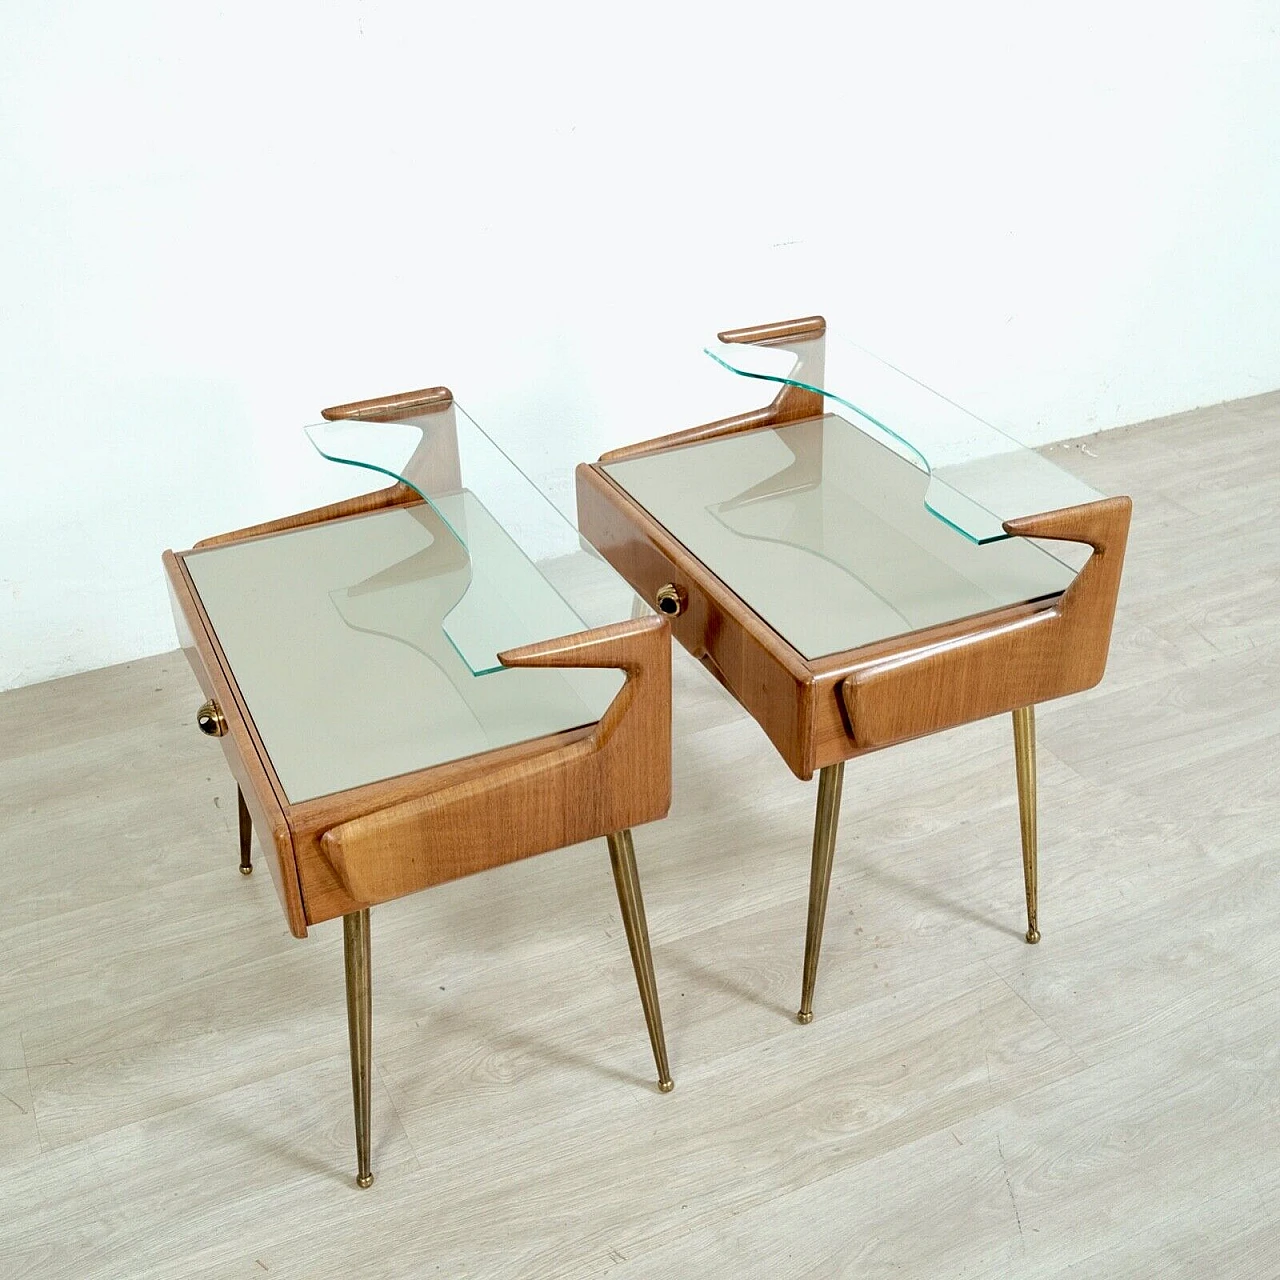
[1071, 1171]
[966, 1029]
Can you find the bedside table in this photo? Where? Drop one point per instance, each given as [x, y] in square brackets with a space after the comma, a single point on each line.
[862, 562]
[407, 693]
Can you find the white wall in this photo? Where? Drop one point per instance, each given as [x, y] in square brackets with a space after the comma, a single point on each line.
[217, 219]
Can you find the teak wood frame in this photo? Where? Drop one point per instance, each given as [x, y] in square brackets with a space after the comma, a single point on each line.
[819, 713]
[340, 854]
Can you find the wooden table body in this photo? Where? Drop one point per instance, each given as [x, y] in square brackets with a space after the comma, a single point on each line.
[339, 854]
[820, 711]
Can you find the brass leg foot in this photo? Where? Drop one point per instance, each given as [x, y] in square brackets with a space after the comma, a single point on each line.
[1024, 754]
[355, 947]
[827, 819]
[246, 835]
[622, 856]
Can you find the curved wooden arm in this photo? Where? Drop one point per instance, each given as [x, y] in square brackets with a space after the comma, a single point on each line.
[617, 776]
[1089, 603]
[444, 472]
[806, 338]
[778, 333]
[641, 648]
[979, 671]
[624, 645]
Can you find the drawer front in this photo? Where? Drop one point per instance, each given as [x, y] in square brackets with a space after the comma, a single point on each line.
[237, 741]
[745, 655]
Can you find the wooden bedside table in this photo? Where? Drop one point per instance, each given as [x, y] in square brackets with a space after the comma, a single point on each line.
[404, 697]
[853, 563]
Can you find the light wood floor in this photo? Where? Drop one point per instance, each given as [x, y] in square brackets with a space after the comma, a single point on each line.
[174, 1091]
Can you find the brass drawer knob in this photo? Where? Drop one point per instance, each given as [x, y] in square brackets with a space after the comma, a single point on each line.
[672, 600]
[210, 720]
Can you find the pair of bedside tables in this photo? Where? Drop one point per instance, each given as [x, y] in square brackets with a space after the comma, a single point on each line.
[444, 675]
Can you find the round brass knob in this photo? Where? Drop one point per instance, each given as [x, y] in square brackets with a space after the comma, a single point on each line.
[672, 599]
[210, 720]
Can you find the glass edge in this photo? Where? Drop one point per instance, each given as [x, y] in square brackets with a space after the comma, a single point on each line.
[969, 536]
[584, 547]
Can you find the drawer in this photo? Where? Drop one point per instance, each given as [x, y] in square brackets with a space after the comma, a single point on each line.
[758, 668]
[237, 740]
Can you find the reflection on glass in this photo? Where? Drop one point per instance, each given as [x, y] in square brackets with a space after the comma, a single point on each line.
[523, 573]
[334, 634]
[979, 476]
[822, 529]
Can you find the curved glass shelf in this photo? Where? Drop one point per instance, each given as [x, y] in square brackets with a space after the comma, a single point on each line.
[504, 568]
[978, 476]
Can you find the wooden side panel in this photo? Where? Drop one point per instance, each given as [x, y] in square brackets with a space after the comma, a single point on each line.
[997, 667]
[239, 744]
[324, 896]
[618, 775]
[832, 730]
[747, 656]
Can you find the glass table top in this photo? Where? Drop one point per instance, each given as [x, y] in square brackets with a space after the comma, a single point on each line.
[336, 636]
[822, 528]
[977, 475]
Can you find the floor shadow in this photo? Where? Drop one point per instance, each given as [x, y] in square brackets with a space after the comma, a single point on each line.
[932, 898]
[500, 1037]
[674, 962]
[292, 1149]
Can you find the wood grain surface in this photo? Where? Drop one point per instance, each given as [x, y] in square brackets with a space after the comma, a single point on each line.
[986, 667]
[617, 775]
[173, 1073]
[740, 649]
[395, 495]
[436, 468]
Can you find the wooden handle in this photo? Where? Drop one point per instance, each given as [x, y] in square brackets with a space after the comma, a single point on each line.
[779, 331]
[407, 404]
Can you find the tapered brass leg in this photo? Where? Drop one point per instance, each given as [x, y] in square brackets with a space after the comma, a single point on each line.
[355, 945]
[827, 819]
[1024, 754]
[246, 835]
[622, 856]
